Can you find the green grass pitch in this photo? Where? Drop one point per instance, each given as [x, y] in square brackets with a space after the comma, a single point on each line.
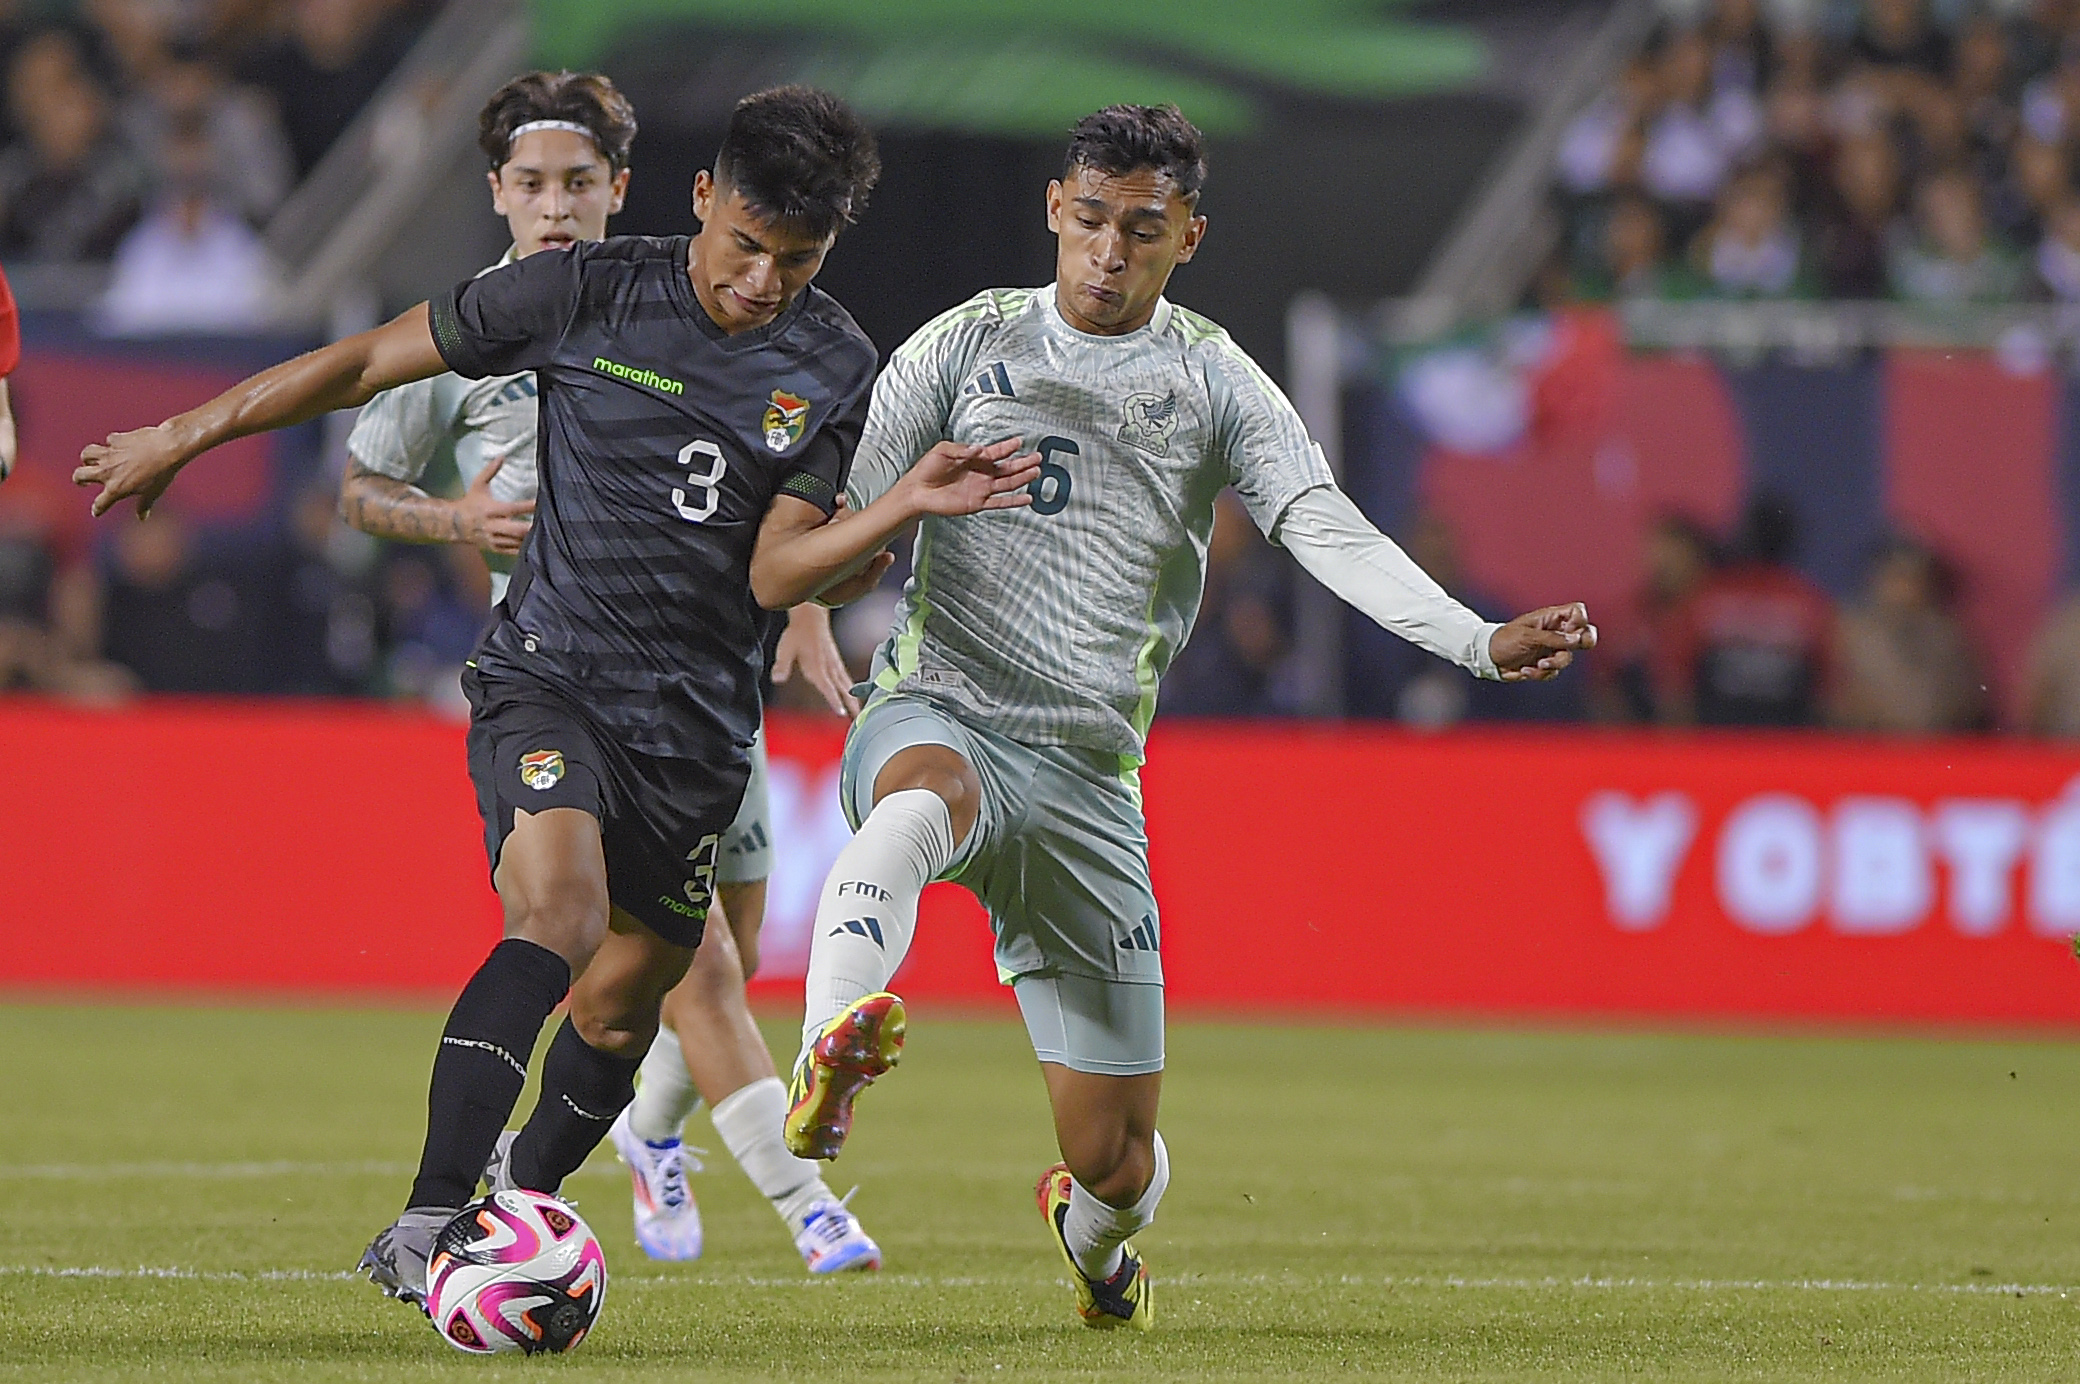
[1347, 1203]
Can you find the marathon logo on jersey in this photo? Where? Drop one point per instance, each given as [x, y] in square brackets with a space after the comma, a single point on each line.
[787, 417]
[541, 770]
[1150, 421]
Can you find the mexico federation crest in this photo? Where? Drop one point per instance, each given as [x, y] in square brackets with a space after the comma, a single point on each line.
[786, 417]
[540, 769]
[1150, 419]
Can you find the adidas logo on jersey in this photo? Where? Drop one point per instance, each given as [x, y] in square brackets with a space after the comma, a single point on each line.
[862, 927]
[1143, 937]
[995, 380]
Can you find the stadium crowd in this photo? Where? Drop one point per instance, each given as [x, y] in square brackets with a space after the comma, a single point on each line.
[156, 137]
[1884, 149]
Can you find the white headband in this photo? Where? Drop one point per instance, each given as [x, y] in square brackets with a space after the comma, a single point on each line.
[531, 126]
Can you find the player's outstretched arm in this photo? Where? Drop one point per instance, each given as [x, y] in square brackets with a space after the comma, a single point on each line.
[802, 554]
[1339, 546]
[350, 371]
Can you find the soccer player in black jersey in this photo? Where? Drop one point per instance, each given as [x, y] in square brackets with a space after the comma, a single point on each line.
[700, 404]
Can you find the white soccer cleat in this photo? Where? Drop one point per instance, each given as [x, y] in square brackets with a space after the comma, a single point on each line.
[832, 1241]
[668, 1220]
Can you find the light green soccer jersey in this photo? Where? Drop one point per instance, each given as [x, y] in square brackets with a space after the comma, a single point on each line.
[1053, 624]
[446, 419]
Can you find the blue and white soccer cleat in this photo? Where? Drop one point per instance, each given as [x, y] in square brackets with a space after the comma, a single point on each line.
[832, 1241]
[668, 1220]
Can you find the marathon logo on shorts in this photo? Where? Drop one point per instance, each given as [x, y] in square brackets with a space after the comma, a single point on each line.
[541, 769]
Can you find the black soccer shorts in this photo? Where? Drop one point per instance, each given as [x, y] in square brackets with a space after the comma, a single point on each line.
[661, 820]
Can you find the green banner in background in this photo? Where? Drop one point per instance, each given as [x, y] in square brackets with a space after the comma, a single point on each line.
[1031, 67]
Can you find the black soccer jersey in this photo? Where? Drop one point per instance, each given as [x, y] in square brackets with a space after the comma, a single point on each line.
[663, 441]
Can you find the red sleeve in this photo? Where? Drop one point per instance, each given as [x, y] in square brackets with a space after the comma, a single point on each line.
[10, 331]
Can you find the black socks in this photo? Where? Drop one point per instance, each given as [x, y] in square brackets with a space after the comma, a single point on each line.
[482, 1064]
[583, 1090]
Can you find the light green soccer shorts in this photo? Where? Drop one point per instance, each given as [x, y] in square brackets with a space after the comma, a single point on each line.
[1059, 857]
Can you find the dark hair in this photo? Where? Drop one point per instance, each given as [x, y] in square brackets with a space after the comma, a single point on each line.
[1121, 139]
[581, 98]
[799, 156]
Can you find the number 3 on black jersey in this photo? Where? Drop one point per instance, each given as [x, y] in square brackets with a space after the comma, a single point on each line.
[707, 488]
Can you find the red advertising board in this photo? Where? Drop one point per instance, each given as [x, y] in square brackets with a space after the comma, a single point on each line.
[294, 848]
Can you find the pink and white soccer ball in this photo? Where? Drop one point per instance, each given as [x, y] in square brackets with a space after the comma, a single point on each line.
[515, 1271]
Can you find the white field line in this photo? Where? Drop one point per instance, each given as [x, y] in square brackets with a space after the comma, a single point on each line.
[96, 1172]
[694, 1281]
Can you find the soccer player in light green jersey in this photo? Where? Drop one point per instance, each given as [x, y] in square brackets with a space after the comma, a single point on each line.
[558, 145]
[1002, 743]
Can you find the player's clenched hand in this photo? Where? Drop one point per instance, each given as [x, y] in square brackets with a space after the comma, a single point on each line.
[1536, 646]
[955, 478]
[495, 525]
[141, 463]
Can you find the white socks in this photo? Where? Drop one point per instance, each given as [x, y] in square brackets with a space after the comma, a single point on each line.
[868, 911]
[749, 1121]
[1094, 1231]
[665, 1098]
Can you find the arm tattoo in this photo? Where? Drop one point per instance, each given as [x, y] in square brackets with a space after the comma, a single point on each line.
[389, 508]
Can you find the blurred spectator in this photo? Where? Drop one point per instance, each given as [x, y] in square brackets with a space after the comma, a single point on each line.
[40, 648]
[1895, 38]
[1751, 249]
[69, 187]
[431, 628]
[1859, 218]
[1637, 679]
[1949, 256]
[2051, 697]
[1236, 663]
[1753, 646]
[1976, 107]
[1704, 128]
[1740, 43]
[180, 623]
[193, 265]
[1601, 149]
[333, 58]
[1632, 261]
[250, 168]
[1795, 116]
[2039, 178]
[327, 642]
[1904, 662]
[2058, 254]
[1865, 198]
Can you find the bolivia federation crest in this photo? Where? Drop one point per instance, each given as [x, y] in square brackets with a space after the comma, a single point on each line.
[786, 418]
[540, 769]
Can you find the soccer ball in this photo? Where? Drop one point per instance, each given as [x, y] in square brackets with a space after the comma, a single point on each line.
[515, 1271]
